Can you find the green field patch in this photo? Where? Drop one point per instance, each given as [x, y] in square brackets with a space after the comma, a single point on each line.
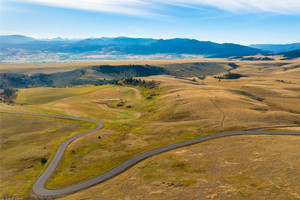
[33, 96]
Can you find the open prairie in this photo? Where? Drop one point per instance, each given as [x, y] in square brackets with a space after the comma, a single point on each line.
[31, 68]
[137, 119]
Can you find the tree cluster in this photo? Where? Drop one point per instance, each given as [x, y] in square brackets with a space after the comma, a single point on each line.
[8, 95]
[230, 75]
[139, 82]
[129, 70]
[14, 80]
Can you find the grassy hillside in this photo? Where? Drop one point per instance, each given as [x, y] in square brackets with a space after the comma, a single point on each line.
[196, 68]
[104, 74]
[238, 167]
[42, 95]
[24, 141]
[96, 75]
[137, 119]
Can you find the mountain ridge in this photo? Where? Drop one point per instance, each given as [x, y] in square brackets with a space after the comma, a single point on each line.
[277, 48]
[126, 46]
[18, 47]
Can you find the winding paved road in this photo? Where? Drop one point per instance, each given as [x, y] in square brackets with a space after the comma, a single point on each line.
[39, 188]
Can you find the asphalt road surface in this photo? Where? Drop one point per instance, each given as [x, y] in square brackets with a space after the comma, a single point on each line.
[39, 188]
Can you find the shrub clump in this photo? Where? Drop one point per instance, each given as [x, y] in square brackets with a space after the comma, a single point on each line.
[8, 95]
[230, 75]
[43, 160]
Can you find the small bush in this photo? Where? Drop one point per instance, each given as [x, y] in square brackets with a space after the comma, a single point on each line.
[120, 104]
[153, 94]
[233, 65]
[43, 160]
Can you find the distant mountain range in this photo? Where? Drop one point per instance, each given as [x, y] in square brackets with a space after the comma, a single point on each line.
[276, 48]
[125, 45]
[18, 46]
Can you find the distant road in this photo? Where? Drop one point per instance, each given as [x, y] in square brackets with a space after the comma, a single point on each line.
[39, 188]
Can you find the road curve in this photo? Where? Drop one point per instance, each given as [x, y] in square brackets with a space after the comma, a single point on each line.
[39, 188]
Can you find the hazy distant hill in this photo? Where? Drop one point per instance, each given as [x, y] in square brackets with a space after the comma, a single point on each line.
[125, 46]
[290, 54]
[276, 48]
[14, 39]
[119, 41]
[189, 46]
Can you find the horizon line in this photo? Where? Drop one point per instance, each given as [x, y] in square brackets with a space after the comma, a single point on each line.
[154, 38]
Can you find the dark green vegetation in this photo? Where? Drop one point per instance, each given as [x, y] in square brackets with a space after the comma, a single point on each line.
[8, 95]
[124, 71]
[24, 81]
[139, 82]
[283, 81]
[253, 58]
[43, 160]
[233, 65]
[230, 75]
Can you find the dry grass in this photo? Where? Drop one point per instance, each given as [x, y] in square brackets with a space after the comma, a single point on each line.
[33, 68]
[27, 66]
[237, 167]
[24, 141]
[43, 95]
[178, 109]
[182, 110]
[88, 106]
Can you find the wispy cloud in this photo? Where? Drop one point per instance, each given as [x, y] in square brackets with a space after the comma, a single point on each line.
[154, 8]
[275, 6]
[128, 7]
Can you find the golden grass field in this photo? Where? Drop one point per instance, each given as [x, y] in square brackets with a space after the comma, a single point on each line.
[178, 109]
[237, 167]
[31, 68]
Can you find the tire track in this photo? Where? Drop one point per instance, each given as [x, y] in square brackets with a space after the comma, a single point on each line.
[223, 113]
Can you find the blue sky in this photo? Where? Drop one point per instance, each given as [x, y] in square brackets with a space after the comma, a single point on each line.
[236, 21]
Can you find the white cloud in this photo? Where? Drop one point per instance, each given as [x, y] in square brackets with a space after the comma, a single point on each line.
[275, 6]
[129, 7]
[153, 8]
